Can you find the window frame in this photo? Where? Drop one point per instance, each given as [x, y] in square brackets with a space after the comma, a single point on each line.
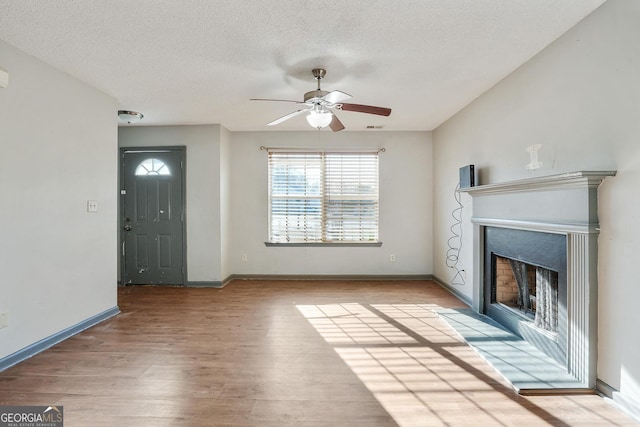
[158, 168]
[326, 196]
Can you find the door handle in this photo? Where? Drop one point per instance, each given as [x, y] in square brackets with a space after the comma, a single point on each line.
[127, 227]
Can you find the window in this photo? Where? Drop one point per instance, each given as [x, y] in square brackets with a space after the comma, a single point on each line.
[323, 197]
[152, 167]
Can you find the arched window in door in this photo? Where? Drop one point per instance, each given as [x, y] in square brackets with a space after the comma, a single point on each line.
[152, 167]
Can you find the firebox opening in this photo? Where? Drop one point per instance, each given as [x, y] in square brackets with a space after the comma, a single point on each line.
[527, 290]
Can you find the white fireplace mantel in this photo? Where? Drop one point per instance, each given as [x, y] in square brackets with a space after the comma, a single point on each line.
[568, 199]
[590, 179]
[562, 204]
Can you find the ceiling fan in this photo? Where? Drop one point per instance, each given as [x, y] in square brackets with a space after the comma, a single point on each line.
[320, 106]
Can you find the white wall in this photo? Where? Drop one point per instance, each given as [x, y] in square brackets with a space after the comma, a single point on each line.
[580, 99]
[225, 203]
[58, 147]
[203, 189]
[405, 207]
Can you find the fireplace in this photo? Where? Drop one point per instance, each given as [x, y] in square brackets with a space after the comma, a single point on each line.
[544, 232]
[527, 291]
[526, 285]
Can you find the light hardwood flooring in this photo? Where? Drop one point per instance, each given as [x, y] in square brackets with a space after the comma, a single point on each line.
[283, 353]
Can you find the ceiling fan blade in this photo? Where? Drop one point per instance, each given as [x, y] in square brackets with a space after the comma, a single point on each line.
[336, 97]
[276, 100]
[370, 109]
[336, 125]
[287, 117]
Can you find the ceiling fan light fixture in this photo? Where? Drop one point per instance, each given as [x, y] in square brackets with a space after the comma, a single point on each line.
[319, 119]
[130, 116]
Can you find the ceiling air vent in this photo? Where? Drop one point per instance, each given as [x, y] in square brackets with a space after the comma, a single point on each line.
[375, 127]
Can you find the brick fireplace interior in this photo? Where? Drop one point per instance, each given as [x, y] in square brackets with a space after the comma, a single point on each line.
[529, 291]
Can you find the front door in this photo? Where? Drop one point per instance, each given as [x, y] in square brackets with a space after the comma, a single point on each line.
[152, 196]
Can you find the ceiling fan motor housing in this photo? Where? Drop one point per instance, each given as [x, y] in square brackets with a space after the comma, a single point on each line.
[318, 74]
[314, 94]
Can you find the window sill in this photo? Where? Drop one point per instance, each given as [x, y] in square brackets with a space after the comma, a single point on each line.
[332, 244]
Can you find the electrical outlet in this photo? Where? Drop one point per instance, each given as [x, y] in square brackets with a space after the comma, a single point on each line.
[392, 257]
[92, 206]
[4, 320]
[243, 257]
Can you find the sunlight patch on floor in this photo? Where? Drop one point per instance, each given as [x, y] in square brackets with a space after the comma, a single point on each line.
[400, 353]
[352, 323]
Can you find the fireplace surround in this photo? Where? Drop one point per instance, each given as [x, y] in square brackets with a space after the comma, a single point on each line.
[550, 222]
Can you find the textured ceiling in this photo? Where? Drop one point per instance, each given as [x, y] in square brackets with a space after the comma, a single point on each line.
[199, 61]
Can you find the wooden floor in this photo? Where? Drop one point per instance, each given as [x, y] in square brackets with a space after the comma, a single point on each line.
[268, 353]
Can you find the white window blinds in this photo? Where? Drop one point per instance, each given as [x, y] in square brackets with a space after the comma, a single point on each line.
[323, 197]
